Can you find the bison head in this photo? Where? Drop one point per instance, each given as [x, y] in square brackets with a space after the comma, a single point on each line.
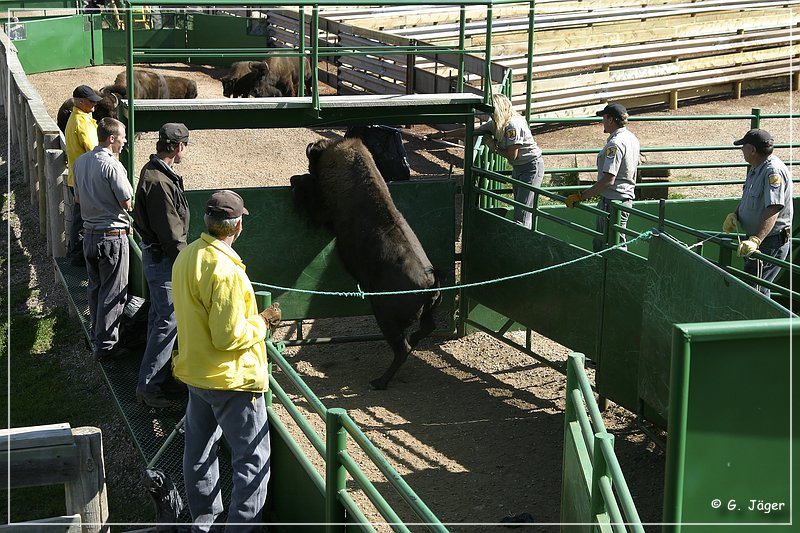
[314, 153]
[304, 194]
[109, 105]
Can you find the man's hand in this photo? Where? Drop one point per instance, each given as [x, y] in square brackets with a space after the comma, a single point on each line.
[272, 315]
[730, 223]
[573, 199]
[746, 248]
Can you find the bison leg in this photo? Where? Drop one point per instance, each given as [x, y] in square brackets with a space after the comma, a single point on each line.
[426, 326]
[395, 336]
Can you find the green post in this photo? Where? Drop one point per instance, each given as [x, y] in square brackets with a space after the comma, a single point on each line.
[335, 480]
[599, 470]
[301, 40]
[487, 82]
[131, 126]
[264, 300]
[755, 121]
[315, 59]
[575, 358]
[462, 23]
[468, 200]
[529, 81]
[612, 235]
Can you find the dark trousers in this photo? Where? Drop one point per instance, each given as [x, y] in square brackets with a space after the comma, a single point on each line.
[161, 324]
[773, 246]
[107, 267]
[75, 248]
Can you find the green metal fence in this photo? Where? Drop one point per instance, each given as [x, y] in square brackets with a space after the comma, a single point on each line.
[594, 496]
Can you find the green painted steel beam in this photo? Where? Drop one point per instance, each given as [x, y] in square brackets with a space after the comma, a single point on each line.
[298, 112]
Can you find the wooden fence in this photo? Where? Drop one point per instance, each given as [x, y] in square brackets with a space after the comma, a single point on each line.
[41, 149]
[55, 454]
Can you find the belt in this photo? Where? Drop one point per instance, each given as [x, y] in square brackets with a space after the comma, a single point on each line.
[108, 232]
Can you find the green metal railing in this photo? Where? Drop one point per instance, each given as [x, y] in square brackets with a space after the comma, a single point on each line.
[489, 198]
[611, 504]
[339, 462]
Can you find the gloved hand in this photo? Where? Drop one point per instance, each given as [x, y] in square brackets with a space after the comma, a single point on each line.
[573, 199]
[272, 315]
[489, 142]
[730, 223]
[746, 248]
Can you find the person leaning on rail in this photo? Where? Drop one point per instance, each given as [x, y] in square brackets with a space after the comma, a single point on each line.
[161, 218]
[80, 136]
[106, 196]
[616, 169]
[222, 358]
[507, 133]
[765, 211]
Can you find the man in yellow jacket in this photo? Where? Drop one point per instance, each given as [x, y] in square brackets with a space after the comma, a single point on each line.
[80, 136]
[223, 360]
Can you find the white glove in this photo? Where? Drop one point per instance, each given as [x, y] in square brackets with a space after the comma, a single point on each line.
[746, 248]
[730, 223]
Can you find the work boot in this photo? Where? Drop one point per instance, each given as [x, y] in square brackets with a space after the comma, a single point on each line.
[152, 399]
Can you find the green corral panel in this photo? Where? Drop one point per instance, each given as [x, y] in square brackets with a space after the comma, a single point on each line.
[281, 248]
[618, 359]
[292, 497]
[742, 442]
[223, 31]
[575, 494]
[562, 304]
[71, 36]
[114, 44]
[684, 287]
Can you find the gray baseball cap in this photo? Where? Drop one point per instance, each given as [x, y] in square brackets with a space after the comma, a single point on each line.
[226, 204]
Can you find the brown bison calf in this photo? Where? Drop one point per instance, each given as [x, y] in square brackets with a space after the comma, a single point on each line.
[345, 191]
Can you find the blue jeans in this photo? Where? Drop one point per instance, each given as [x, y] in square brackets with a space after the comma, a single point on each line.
[161, 325]
[532, 173]
[240, 417]
[107, 268]
[772, 246]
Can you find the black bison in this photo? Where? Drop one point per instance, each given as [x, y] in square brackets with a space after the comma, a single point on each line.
[107, 107]
[249, 78]
[153, 85]
[275, 76]
[345, 191]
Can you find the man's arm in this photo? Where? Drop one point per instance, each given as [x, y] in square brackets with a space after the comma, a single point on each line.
[768, 218]
[602, 184]
[511, 153]
[127, 205]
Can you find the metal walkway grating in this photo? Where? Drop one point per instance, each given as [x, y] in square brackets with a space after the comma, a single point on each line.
[150, 429]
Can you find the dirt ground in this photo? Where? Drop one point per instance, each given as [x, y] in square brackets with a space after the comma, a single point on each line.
[474, 426]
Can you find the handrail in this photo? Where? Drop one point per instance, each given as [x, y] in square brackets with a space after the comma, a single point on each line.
[337, 455]
[606, 475]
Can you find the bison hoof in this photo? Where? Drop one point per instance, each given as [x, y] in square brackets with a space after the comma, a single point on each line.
[377, 384]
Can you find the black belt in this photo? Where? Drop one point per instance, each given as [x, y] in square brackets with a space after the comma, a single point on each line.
[108, 232]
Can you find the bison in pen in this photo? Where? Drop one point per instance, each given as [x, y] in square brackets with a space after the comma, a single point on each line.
[345, 191]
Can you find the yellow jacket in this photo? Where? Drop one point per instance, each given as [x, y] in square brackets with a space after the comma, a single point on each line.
[220, 333]
[80, 136]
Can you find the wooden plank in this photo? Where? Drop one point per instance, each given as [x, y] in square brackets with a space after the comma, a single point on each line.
[643, 75]
[35, 436]
[86, 493]
[58, 524]
[32, 467]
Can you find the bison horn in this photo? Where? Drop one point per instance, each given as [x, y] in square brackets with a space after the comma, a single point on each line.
[308, 149]
[115, 99]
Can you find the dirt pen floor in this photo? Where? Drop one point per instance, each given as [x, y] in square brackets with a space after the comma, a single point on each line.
[475, 427]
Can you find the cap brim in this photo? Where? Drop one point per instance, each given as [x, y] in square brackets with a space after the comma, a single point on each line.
[601, 112]
[245, 211]
[94, 99]
[740, 142]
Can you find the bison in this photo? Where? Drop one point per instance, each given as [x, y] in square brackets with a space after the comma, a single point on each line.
[275, 76]
[249, 78]
[107, 107]
[344, 190]
[152, 85]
